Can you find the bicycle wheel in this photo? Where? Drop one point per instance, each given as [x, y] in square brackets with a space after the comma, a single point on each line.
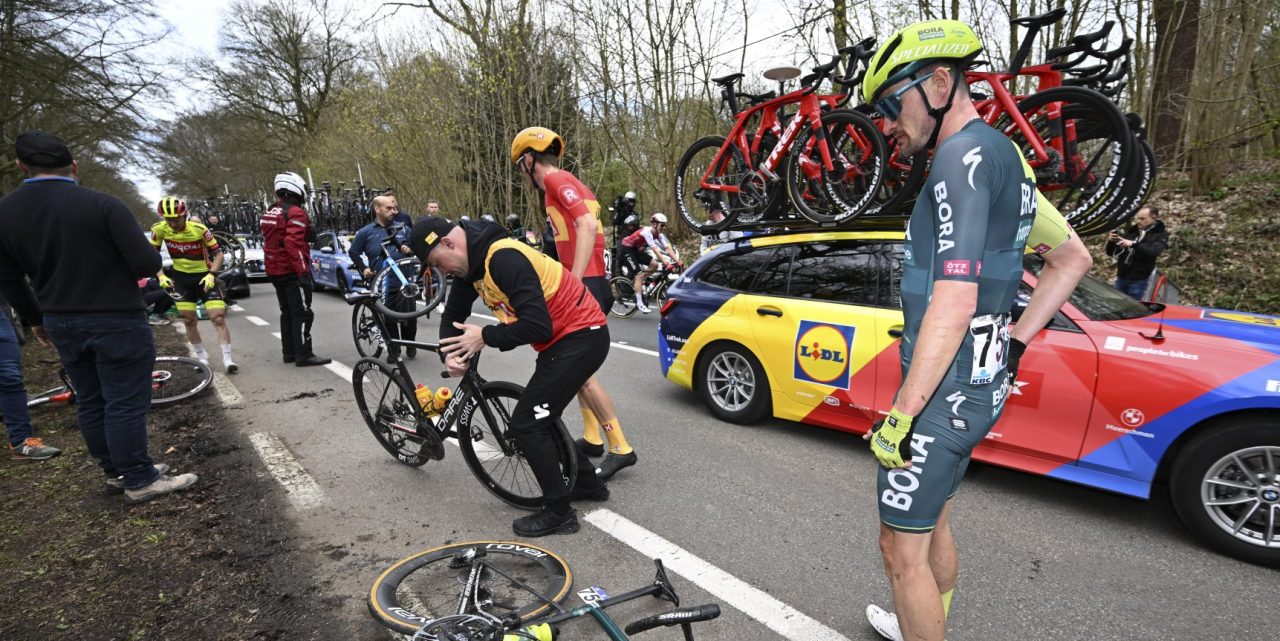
[858, 153]
[405, 290]
[364, 329]
[232, 250]
[1137, 190]
[624, 297]
[903, 178]
[660, 294]
[491, 452]
[519, 580]
[1090, 149]
[177, 378]
[391, 411]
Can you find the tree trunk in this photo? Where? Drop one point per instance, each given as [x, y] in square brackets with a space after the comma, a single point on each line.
[1177, 28]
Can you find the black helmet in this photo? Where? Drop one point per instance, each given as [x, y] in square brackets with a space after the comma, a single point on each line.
[513, 220]
[631, 220]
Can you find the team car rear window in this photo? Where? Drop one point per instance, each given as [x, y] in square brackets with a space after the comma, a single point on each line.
[853, 272]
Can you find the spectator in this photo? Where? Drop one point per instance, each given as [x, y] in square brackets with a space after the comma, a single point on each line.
[89, 308]
[715, 214]
[366, 256]
[23, 443]
[402, 217]
[1135, 251]
[156, 299]
[287, 257]
[433, 207]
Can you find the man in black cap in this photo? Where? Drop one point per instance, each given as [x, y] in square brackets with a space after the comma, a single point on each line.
[84, 254]
[539, 303]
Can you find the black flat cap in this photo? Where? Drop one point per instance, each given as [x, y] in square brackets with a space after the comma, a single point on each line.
[42, 149]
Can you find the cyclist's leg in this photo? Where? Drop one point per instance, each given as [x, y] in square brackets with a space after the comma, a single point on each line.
[594, 399]
[216, 305]
[943, 560]
[189, 294]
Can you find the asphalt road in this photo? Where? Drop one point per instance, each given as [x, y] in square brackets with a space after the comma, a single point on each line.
[778, 519]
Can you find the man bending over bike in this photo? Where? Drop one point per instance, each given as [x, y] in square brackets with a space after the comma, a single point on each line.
[642, 263]
[539, 303]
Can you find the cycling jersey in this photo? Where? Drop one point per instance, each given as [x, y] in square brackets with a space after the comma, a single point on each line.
[643, 238]
[567, 200]
[191, 249]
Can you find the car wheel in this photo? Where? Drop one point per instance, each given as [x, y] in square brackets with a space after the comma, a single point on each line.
[1225, 486]
[733, 384]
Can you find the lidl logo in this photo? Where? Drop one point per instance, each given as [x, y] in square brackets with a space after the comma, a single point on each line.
[1240, 317]
[822, 353]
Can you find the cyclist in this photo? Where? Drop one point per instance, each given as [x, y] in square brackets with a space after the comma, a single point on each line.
[962, 268]
[196, 257]
[574, 214]
[539, 303]
[640, 262]
[366, 256]
[286, 253]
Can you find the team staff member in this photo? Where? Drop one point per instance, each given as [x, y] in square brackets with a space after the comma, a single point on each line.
[538, 303]
[962, 268]
[635, 251]
[575, 215]
[366, 255]
[191, 245]
[286, 251]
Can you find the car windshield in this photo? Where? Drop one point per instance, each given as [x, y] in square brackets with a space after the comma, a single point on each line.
[1096, 299]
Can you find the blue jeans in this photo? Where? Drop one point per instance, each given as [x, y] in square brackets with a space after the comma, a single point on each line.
[109, 360]
[13, 393]
[1134, 288]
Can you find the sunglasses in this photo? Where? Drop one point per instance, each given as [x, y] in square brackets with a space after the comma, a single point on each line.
[890, 106]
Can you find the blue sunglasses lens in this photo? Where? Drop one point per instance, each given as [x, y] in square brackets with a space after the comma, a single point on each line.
[890, 107]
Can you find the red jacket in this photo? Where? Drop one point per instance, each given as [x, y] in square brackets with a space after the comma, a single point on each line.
[285, 249]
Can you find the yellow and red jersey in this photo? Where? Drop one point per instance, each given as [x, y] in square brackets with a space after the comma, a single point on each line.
[567, 200]
[191, 249]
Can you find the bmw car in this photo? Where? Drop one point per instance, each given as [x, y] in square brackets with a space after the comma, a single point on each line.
[1114, 394]
[330, 265]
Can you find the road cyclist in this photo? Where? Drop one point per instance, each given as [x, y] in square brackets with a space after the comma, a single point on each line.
[643, 249]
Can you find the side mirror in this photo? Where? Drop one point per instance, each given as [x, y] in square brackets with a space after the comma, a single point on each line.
[326, 250]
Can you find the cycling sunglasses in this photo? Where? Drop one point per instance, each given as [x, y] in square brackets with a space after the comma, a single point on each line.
[890, 106]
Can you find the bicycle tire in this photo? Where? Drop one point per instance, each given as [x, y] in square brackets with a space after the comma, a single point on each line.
[403, 591]
[690, 196]
[850, 188]
[660, 294]
[364, 331]
[177, 378]
[422, 293]
[1136, 192]
[624, 297]
[232, 250]
[394, 410]
[503, 470]
[902, 181]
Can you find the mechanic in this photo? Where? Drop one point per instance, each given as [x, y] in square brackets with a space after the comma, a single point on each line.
[1136, 250]
[539, 303]
[196, 259]
[574, 214]
[286, 252]
[367, 257]
[635, 254]
[976, 215]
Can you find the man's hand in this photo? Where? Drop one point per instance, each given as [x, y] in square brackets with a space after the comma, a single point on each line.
[404, 249]
[1016, 348]
[889, 437]
[208, 282]
[465, 345]
[367, 273]
[41, 336]
[165, 282]
[456, 366]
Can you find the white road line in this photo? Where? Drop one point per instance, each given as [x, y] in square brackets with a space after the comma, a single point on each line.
[776, 615]
[303, 491]
[638, 350]
[341, 370]
[276, 334]
[256, 321]
[237, 308]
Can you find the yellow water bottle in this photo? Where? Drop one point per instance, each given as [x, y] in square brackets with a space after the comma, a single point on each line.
[442, 397]
[541, 631]
[424, 396]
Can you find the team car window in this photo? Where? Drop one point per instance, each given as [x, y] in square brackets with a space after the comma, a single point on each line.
[843, 272]
[772, 280]
[736, 271]
[1096, 299]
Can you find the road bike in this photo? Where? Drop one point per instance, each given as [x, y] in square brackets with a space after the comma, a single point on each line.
[496, 590]
[404, 289]
[478, 416]
[173, 379]
[655, 289]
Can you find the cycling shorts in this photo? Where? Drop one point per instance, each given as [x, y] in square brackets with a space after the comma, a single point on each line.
[954, 422]
[600, 290]
[190, 292]
[636, 259]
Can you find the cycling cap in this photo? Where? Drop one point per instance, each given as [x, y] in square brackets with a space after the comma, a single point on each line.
[292, 183]
[539, 139]
[915, 47]
[658, 218]
[171, 207]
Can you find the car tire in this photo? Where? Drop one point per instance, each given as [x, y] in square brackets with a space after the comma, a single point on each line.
[733, 384]
[1212, 467]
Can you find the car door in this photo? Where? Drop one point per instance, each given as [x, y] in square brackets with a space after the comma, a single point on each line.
[324, 259]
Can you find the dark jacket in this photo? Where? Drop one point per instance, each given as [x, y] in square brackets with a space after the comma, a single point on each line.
[1137, 262]
[285, 246]
[366, 247]
[82, 249]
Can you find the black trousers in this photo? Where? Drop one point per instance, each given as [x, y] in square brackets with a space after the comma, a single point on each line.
[561, 370]
[293, 292]
[156, 299]
[405, 329]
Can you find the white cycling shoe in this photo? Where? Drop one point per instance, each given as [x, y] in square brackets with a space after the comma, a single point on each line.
[885, 623]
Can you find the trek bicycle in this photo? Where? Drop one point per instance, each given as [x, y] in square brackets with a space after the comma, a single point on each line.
[478, 416]
[496, 590]
[173, 379]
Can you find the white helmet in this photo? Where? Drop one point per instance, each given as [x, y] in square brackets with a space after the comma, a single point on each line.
[631, 195]
[658, 218]
[291, 183]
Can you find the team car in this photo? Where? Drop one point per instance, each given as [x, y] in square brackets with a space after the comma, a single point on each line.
[1114, 394]
[330, 264]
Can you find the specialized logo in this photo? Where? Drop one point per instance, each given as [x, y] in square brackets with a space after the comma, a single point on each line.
[971, 160]
[1241, 317]
[1132, 417]
[956, 399]
[541, 411]
[822, 353]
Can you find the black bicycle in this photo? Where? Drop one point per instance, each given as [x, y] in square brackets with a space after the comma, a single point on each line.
[478, 416]
[494, 590]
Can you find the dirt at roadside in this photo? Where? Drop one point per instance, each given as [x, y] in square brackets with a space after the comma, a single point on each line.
[220, 561]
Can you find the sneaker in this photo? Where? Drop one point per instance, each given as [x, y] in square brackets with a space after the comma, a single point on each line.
[411, 352]
[594, 450]
[614, 462]
[544, 522]
[33, 449]
[644, 309]
[116, 485]
[162, 485]
[156, 319]
[231, 366]
[884, 623]
[597, 493]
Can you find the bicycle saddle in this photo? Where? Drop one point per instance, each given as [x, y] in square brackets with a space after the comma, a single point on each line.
[1041, 20]
[727, 80]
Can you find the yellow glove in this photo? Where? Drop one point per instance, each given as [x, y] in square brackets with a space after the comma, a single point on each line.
[891, 439]
[165, 282]
[208, 282]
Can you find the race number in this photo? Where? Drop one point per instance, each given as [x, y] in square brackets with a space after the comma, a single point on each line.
[990, 334]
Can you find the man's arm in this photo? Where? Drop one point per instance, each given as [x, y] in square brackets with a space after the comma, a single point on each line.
[515, 276]
[356, 251]
[19, 294]
[219, 253]
[1063, 269]
[457, 308]
[586, 228]
[296, 246]
[1152, 245]
[138, 252]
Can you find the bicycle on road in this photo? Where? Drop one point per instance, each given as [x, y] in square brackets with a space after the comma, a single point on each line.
[495, 590]
[174, 379]
[655, 289]
[478, 416]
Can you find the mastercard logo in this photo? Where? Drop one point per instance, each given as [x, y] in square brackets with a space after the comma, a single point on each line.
[822, 353]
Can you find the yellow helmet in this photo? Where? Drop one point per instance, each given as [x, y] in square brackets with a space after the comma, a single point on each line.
[171, 207]
[539, 139]
[914, 47]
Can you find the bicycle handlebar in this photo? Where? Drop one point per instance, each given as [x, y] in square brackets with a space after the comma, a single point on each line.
[678, 616]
